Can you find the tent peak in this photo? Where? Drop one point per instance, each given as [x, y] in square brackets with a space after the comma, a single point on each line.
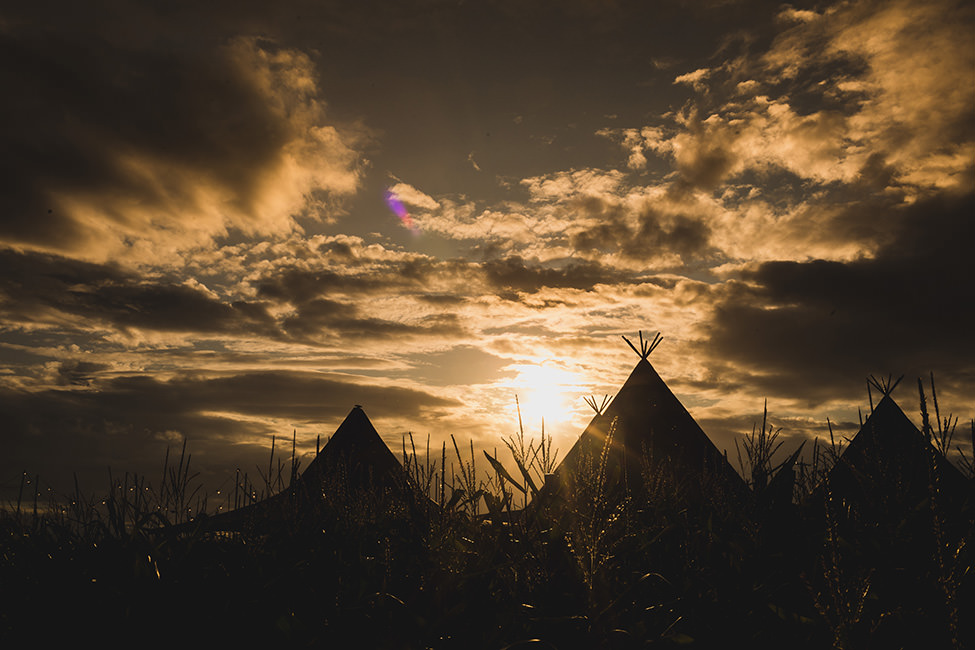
[598, 407]
[646, 347]
[885, 386]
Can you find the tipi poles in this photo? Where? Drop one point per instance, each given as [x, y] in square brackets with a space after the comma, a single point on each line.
[646, 347]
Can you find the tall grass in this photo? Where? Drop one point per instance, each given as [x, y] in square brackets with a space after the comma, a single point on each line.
[671, 560]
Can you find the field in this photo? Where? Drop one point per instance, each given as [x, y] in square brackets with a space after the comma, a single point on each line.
[452, 560]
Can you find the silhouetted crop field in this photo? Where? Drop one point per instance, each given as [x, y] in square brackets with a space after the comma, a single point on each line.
[450, 558]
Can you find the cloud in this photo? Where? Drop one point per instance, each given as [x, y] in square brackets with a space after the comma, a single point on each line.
[114, 148]
[536, 228]
[313, 307]
[694, 79]
[798, 15]
[861, 80]
[296, 285]
[566, 185]
[52, 291]
[802, 327]
[652, 236]
[80, 373]
[634, 141]
[796, 152]
[324, 320]
[412, 196]
[759, 134]
[590, 215]
[515, 274]
[164, 271]
[128, 422]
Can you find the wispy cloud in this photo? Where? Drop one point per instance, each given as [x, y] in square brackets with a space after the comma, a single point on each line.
[694, 79]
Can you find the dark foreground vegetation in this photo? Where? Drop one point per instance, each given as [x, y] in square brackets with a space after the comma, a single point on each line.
[450, 563]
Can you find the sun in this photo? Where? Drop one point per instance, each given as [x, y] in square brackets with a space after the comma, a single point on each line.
[545, 392]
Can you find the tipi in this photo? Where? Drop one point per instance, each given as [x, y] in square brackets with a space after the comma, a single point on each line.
[355, 460]
[357, 450]
[649, 425]
[889, 460]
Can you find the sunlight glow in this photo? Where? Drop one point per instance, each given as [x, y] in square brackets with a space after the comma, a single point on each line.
[545, 391]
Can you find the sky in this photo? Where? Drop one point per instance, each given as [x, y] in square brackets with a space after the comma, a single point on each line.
[223, 223]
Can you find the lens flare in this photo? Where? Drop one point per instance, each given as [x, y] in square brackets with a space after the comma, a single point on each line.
[400, 211]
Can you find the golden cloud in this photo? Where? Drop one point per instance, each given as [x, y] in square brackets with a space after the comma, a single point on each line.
[179, 152]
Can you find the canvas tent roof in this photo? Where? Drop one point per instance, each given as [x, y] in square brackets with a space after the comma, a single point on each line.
[357, 449]
[355, 459]
[889, 457]
[650, 424]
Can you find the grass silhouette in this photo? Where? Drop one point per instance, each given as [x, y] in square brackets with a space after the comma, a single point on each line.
[453, 561]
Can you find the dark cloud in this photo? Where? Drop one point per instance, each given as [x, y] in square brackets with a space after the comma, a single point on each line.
[355, 278]
[128, 422]
[77, 372]
[326, 302]
[58, 434]
[175, 308]
[654, 236]
[876, 174]
[299, 285]
[708, 162]
[27, 275]
[40, 288]
[442, 299]
[106, 133]
[322, 298]
[514, 274]
[315, 315]
[809, 325]
[815, 86]
[34, 286]
[74, 104]
[323, 319]
[304, 396]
